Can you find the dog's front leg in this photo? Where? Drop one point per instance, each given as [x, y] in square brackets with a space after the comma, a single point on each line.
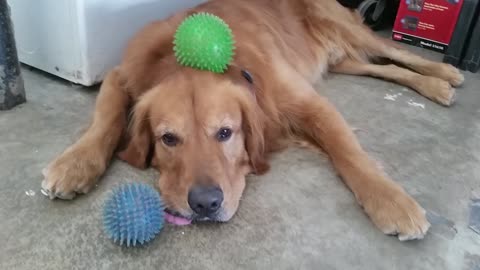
[387, 204]
[77, 169]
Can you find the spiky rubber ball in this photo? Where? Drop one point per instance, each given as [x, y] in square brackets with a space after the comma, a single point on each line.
[204, 41]
[133, 214]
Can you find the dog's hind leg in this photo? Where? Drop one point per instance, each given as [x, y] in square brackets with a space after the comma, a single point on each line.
[77, 169]
[446, 72]
[433, 88]
[361, 40]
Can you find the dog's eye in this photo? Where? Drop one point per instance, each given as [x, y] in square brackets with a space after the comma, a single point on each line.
[224, 134]
[169, 139]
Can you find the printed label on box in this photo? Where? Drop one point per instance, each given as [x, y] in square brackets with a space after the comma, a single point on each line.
[426, 23]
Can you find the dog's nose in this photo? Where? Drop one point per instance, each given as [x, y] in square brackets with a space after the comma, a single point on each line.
[205, 200]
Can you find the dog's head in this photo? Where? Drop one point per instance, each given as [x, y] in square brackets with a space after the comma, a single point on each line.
[207, 134]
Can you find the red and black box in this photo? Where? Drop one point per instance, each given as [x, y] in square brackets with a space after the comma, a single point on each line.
[427, 23]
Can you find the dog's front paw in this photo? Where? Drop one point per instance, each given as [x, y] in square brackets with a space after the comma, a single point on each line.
[437, 90]
[75, 171]
[394, 212]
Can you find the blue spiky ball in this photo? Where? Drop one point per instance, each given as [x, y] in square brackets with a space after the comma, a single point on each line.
[133, 214]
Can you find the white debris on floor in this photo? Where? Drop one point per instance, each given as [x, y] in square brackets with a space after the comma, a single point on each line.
[392, 97]
[416, 104]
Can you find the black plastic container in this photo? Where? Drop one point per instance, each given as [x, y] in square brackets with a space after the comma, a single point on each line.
[471, 59]
[462, 33]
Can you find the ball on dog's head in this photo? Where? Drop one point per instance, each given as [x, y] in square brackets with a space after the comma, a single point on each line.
[133, 214]
[204, 41]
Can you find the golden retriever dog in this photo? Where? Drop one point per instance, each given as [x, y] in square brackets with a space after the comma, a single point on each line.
[205, 132]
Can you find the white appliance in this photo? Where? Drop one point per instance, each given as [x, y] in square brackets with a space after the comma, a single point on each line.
[80, 40]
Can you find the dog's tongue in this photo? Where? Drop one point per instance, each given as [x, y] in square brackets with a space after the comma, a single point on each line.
[179, 221]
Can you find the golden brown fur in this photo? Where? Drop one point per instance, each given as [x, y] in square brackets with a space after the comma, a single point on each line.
[286, 45]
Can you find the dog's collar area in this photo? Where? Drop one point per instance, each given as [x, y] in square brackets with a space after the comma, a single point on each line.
[249, 78]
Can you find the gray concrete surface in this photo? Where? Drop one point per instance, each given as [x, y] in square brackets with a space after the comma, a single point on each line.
[298, 216]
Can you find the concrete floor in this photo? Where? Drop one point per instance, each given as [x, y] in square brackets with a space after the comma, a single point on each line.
[432, 151]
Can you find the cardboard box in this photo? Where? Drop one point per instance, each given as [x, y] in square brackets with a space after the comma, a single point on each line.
[426, 23]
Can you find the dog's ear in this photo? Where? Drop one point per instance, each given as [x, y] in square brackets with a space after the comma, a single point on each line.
[140, 136]
[253, 125]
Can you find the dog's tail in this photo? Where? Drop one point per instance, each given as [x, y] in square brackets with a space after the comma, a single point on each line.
[336, 27]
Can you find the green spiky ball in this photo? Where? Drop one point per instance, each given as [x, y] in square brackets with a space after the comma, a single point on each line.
[204, 41]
